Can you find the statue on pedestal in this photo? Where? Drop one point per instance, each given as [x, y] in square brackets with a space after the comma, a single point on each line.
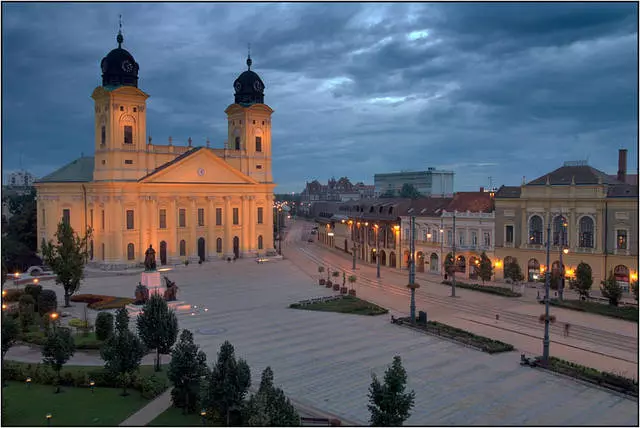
[171, 292]
[150, 259]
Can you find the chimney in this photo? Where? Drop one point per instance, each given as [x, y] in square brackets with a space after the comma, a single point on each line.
[482, 189]
[622, 165]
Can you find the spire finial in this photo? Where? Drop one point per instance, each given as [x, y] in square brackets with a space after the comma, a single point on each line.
[249, 62]
[120, 39]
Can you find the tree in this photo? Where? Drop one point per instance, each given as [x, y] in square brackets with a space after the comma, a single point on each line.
[389, 404]
[188, 365]
[485, 270]
[228, 382]
[123, 351]
[449, 265]
[611, 289]
[58, 348]
[20, 243]
[10, 331]
[409, 191]
[584, 280]
[157, 326]
[67, 258]
[512, 271]
[388, 194]
[269, 406]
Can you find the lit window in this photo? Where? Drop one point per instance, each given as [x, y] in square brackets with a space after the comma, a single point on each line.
[621, 241]
[535, 230]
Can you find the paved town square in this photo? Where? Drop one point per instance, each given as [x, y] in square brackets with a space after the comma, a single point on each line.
[325, 360]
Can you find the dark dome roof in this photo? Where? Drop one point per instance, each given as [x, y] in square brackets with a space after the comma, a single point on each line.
[119, 68]
[249, 87]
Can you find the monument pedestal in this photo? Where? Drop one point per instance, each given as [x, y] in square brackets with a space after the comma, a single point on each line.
[151, 280]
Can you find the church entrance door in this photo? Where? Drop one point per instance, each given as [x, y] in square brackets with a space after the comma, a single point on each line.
[236, 247]
[201, 254]
[163, 253]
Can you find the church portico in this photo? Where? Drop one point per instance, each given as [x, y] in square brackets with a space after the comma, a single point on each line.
[189, 203]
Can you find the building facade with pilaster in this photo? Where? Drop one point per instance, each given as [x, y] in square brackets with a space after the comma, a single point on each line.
[189, 203]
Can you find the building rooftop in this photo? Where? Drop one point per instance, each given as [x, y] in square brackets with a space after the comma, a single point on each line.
[479, 202]
[579, 174]
[508, 192]
[77, 171]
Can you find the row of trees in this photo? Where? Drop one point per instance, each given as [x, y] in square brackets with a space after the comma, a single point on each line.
[484, 269]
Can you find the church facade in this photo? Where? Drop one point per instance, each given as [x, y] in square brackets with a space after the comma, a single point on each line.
[189, 203]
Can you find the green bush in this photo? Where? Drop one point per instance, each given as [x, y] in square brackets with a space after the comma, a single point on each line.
[104, 325]
[13, 294]
[47, 302]
[34, 291]
[26, 300]
[594, 376]
[491, 289]
[629, 313]
[150, 386]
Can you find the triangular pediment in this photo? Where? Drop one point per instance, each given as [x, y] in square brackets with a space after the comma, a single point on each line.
[198, 166]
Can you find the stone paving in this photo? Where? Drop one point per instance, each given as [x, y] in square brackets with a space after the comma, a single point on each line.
[325, 360]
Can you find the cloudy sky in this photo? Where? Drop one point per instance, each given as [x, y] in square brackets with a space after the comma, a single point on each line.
[501, 90]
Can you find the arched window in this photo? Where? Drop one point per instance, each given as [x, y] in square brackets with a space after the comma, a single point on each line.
[183, 248]
[131, 251]
[219, 245]
[260, 244]
[237, 143]
[535, 230]
[560, 231]
[586, 232]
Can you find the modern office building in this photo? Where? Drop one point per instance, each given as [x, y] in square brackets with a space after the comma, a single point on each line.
[432, 182]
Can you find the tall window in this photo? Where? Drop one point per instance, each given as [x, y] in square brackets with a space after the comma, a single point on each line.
[183, 248]
[509, 234]
[237, 143]
[200, 216]
[218, 216]
[103, 135]
[560, 231]
[131, 253]
[102, 251]
[44, 218]
[129, 219]
[163, 218]
[260, 215]
[487, 239]
[586, 232]
[182, 218]
[102, 219]
[128, 134]
[258, 144]
[90, 218]
[474, 238]
[236, 216]
[449, 237]
[219, 245]
[621, 240]
[461, 239]
[535, 230]
[260, 244]
[66, 216]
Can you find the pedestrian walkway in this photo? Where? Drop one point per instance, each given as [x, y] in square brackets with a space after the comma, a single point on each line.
[149, 412]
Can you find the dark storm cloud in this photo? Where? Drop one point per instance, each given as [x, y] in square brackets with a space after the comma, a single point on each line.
[499, 89]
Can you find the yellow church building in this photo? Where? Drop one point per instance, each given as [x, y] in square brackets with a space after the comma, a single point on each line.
[195, 203]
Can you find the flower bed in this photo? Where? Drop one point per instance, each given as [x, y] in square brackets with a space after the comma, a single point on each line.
[491, 289]
[345, 305]
[629, 313]
[591, 375]
[485, 344]
[98, 301]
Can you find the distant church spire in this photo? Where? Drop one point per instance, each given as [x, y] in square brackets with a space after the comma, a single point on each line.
[120, 39]
[249, 62]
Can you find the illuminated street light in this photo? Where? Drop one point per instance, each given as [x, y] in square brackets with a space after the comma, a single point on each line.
[28, 382]
[92, 383]
[565, 250]
[49, 416]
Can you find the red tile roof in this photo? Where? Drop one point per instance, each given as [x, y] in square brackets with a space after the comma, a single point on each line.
[471, 201]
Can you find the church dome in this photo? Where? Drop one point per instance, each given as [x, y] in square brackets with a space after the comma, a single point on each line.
[249, 87]
[119, 68]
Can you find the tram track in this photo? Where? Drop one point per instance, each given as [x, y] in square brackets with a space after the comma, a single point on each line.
[588, 334]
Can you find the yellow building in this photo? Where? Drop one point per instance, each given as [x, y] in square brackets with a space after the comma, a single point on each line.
[196, 203]
[593, 218]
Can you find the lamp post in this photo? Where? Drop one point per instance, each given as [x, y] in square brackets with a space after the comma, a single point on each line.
[564, 250]
[279, 233]
[28, 382]
[203, 415]
[49, 416]
[377, 250]
[441, 246]
[455, 262]
[412, 268]
[92, 384]
[547, 279]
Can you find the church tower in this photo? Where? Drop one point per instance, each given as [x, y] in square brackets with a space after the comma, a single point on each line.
[120, 119]
[249, 127]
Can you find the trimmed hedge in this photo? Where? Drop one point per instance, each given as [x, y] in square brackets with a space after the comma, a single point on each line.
[81, 342]
[13, 294]
[47, 301]
[491, 289]
[104, 325]
[79, 376]
[629, 313]
[485, 344]
[588, 374]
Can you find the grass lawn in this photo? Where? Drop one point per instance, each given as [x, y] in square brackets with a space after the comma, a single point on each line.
[346, 305]
[81, 341]
[173, 417]
[629, 313]
[72, 407]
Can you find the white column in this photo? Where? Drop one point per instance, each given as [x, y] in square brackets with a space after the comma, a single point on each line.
[154, 226]
[211, 227]
[117, 212]
[193, 222]
[253, 238]
[244, 224]
[227, 240]
[142, 227]
[173, 249]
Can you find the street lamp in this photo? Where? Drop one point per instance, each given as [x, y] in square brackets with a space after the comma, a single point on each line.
[92, 384]
[564, 250]
[455, 262]
[441, 246]
[28, 382]
[203, 415]
[547, 279]
[376, 227]
[412, 266]
[49, 416]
